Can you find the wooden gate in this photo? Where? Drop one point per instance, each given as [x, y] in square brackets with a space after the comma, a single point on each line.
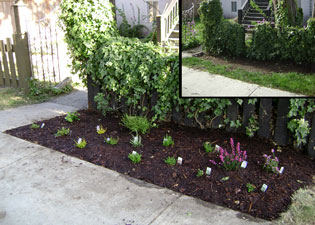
[15, 64]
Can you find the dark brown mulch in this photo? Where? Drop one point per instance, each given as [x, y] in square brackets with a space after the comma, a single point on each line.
[298, 169]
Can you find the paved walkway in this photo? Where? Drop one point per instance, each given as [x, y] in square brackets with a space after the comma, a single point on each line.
[40, 186]
[196, 83]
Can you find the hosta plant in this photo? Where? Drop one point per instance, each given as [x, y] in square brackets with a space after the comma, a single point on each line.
[271, 162]
[167, 141]
[111, 140]
[62, 132]
[135, 157]
[81, 143]
[170, 161]
[233, 160]
[71, 117]
[100, 129]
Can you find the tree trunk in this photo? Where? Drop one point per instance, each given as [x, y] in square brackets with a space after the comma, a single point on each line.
[291, 5]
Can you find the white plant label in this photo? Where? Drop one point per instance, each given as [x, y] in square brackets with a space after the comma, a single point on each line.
[107, 139]
[180, 160]
[264, 188]
[134, 152]
[208, 171]
[281, 170]
[97, 127]
[217, 148]
[244, 164]
[79, 140]
[135, 138]
[42, 126]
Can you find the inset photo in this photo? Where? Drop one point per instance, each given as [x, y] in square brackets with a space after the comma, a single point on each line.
[248, 48]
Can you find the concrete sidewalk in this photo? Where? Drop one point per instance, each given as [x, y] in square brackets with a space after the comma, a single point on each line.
[40, 186]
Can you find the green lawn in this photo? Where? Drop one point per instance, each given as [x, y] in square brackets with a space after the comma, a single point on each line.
[292, 82]
[11, 97]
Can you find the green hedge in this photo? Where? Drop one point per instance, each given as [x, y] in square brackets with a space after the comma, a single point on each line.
[286, 43]
[220, 37]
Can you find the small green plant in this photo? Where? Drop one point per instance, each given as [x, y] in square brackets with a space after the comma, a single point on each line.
[170, 161]
[136, 123]
[100, 129]
[208, 147]
[81, 143]
[34, 126]
[225, 178]
[134, 157]
[250, 187]
[111, 140]
[136, 141]
[200, 173]
[71, 117]
[167, 141]
[62, 132]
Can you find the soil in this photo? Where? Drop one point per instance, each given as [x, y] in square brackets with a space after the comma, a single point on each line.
[250, 65]
[232, 193]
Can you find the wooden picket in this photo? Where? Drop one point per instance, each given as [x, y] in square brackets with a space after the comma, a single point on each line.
[15, 62]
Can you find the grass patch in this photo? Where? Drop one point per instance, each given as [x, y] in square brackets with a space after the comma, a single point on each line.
[302, 209]
[292, 82]
[39, 92]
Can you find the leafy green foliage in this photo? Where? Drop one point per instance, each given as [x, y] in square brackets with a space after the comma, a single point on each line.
[208, 147]
[135, 158]
[80, 144]
[136, 123]
[170, 161]
[111, 140]
[42, 91]
[72, 116]
[250, 187]
[62, 132]
[225, 178]
[168, 141]
[200, 173]
[252, 126]
[87, 24]
[34, 126]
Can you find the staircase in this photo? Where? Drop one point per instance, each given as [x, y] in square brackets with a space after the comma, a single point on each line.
[247, 15]
[168, 26]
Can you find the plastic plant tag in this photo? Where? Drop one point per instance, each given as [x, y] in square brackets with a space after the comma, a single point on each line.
[108, 139]
[244, 164]
[42, 126]
[281, 170]
[179, 160]
[135, 138]
[208, 171]
[97, 127]
[217, 148]
[264, 188]
[79, 140]
[134, 152]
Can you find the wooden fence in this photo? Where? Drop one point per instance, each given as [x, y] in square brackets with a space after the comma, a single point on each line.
[15, 62]
[271, 115]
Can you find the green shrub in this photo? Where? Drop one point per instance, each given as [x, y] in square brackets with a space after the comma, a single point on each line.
[86, 24]
[229, 40]
[264, 44]
[130, 69]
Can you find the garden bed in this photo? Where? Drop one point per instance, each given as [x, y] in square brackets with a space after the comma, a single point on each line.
[231, 193]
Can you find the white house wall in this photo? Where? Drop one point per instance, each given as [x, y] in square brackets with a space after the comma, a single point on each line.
[130, 8]
[227, 7]
[307, 6]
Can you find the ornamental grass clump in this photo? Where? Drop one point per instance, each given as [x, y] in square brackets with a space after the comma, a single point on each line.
[231, 161]
[271, 164]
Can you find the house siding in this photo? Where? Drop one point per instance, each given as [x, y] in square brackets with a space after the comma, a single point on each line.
[227, 7]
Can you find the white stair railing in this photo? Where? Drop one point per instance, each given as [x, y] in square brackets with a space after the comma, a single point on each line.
[167, 22]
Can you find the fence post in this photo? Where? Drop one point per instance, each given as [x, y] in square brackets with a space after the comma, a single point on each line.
[5, 65]
[281, 130]
[232, 113]
[265, 110]
[248, 111]
[23, 60]
[311, 140]
[19, 29]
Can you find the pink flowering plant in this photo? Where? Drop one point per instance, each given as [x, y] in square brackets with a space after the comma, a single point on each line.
[233, 160]
[271, 163]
